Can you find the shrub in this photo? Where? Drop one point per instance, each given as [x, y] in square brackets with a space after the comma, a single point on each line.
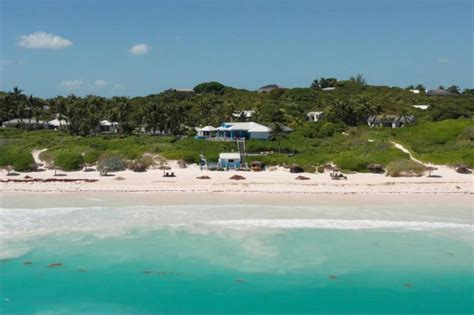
[309, 169]
[23, 161]
[137, 166]
[110, 163]
[91, 156]
[320, 169]
[68, 161]
[20, 159]
[351, 161]
[405, 168]
[147, 160]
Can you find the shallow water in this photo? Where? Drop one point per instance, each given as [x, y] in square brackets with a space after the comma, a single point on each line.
[234, 259]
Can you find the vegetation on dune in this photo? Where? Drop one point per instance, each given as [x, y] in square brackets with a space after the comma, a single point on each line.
[16, 157]
[405, 168]
[443, 134]
[68, 160]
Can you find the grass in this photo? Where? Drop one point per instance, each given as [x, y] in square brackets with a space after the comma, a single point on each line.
[444, 142]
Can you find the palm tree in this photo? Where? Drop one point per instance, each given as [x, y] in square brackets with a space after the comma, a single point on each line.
[278, 133]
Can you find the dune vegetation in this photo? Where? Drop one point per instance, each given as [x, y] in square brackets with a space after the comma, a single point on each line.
[442, 134]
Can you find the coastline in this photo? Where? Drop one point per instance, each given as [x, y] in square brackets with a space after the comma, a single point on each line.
[280, 181]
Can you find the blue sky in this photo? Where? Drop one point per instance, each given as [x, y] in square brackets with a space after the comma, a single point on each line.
[82, 46]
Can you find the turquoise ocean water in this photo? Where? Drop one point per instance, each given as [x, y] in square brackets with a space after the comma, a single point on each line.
[117, 266]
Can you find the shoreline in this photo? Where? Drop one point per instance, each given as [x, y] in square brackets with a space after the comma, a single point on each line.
[276, 182]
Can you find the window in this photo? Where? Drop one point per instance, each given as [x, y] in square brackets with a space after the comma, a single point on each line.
[231, 161]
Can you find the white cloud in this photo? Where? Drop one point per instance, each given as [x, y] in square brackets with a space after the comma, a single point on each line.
[140, 49]
[100, 83]
[43, 40]
[442, 60]
[70, 84]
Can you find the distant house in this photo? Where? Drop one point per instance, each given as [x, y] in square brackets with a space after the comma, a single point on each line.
[422, 107]
[439, 92]
[314, 116]
[415, 91]
[206, 132]
[230, 160]
[245, 114]
[106, 126]
[57, 123]
[331, 88]
[25, 124]
[268, 88]
[390, 121]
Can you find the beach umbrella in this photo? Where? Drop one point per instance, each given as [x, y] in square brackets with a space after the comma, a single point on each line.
[164, 168]
[430, 169]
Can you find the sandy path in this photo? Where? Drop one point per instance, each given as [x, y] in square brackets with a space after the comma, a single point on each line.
[405, 150]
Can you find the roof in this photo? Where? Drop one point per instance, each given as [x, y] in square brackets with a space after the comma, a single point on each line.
[57, 123]
[270, 86]
[314, 113]
[107, 123]
[331, 88]
[24, 121]
[246, 113]
[229, 156]
[407, 119]
[423, 107]
[207, 128]
[439, 92]
[247, 126]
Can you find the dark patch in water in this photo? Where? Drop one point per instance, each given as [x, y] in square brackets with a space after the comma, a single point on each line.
[27, 263]
[408, 285]
[81, 270]
[240, 280]
[53, 265]
[332, 277]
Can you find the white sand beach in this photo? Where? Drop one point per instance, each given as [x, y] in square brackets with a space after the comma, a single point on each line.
[279, 181]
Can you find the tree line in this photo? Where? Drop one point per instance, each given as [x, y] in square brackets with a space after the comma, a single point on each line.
[211, 103]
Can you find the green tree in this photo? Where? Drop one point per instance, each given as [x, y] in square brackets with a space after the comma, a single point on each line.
[359, 79]
[209, 87]
[454, 89]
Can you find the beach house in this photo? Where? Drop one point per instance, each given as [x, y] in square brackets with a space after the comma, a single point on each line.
[106, 126]
[25, 123]
[243, 130]
[206, 132]
[268, 88]
[230, 160]
[390, 121]
[439, 92]
[422, 107]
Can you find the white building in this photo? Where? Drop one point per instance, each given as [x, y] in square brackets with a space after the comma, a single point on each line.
[246, 114]
[107, 126]
[314, 116]
[422, 107]
[206, 132]
[230, 160]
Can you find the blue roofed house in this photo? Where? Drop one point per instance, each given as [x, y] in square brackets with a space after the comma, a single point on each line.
[244, 130]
